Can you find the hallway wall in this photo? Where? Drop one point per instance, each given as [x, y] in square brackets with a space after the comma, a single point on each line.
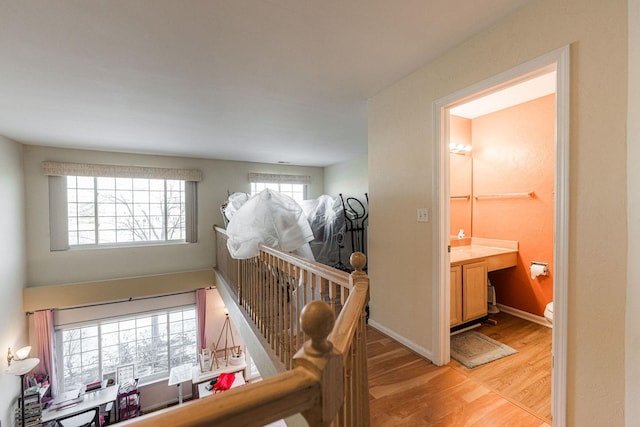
[402, 179]
[13, 332]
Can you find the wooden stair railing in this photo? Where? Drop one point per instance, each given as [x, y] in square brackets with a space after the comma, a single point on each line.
[327, 378]
[273, 287]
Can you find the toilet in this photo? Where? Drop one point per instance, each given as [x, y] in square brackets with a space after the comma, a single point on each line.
[548, 312]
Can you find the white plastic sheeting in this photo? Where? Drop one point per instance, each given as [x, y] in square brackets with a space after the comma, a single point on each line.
[270, 218]
[326, 218]
[235, 201]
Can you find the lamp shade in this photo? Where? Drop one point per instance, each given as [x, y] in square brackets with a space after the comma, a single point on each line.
[23, 353]
[22, 367]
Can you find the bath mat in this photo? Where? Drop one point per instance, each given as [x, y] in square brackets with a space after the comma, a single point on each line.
[474, 349]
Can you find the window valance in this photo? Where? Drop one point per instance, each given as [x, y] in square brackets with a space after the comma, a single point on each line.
[271, 178]
[86, 169]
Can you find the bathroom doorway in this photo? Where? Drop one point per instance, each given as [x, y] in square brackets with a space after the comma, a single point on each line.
[556, 64]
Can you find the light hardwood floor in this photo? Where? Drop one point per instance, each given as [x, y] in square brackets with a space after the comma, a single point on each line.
[407, 390]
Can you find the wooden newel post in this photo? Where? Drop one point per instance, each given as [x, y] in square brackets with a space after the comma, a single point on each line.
[320, 359]
[359, 399]
[358, 260]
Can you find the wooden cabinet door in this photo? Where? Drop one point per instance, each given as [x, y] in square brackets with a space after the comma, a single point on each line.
[456, 296]
[474, 290]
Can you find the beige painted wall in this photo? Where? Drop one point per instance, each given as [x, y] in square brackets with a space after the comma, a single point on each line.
[632, 341]
[13, 332]
[400, 180]
[77, 294]
[47, 268]
[351, 178]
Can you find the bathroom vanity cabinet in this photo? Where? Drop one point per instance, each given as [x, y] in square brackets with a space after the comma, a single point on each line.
[469, 267]
[468, 292]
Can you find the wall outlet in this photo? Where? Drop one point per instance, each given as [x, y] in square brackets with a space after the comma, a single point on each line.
[423, 214]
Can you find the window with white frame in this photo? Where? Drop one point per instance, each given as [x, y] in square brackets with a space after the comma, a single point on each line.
[294, 186]
[295, 191]
[93, 205]
[153, 342]
[109, 210]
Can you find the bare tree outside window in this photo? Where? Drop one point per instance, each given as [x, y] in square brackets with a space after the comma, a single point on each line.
[107, 210]
[153, 342]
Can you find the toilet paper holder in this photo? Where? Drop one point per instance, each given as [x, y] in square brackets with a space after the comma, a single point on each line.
[539, 269]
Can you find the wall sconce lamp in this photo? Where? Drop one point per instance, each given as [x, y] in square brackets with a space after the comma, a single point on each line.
[459, 148]
[20, 354]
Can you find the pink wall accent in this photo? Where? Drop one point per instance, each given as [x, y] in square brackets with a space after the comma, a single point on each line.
[460, 181]
[513, 151]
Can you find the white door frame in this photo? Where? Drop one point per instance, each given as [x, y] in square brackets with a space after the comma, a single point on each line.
[557, 60]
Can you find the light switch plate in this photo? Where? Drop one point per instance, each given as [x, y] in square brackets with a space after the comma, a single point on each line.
[423, 214]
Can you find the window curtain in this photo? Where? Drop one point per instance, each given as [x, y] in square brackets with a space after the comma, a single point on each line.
[43, 323]
[58, 213]
[201, 313]
[191, 211]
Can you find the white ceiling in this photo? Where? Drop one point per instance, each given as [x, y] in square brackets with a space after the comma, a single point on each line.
[254, 80]
[513, 95]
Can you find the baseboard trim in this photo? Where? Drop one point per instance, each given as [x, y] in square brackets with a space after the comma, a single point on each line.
[525, 315]
[402, 340]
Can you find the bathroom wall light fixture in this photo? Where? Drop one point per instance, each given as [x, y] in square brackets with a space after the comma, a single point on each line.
[20, 354]
[459, 148]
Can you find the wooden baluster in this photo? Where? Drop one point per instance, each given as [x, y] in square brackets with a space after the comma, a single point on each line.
[291, 307]
[280, 308]
[302, 301]
[344, 294]
[283, 311]
[247, 287]
[272, 301]
[332, 296]
[269, 299]
[254, 300]
[243, 278]
[261, 296]
[307, 283]
[276, 306]
[313, 286]
[254, 292]
[298, 309]
[246, 295]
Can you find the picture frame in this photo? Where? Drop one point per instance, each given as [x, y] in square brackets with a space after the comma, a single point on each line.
[125, 373]
[109, 379]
